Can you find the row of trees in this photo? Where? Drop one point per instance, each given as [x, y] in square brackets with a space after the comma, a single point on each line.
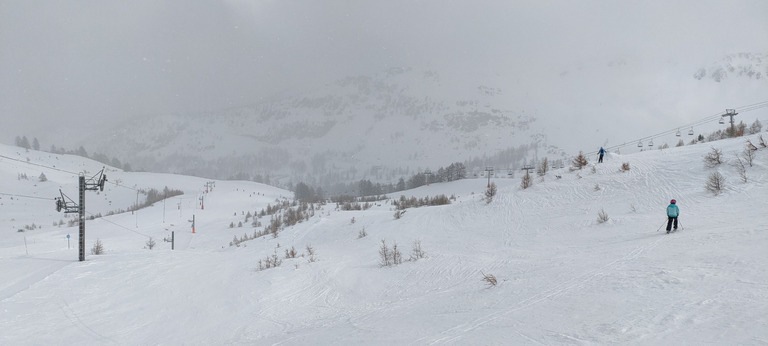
[23, 142]
[365, 187]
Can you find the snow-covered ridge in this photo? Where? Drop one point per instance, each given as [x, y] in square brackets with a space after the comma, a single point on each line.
[740, 65]
[400, 119]
[562, 276]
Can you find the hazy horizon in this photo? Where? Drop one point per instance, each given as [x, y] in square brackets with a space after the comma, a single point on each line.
[594, 67]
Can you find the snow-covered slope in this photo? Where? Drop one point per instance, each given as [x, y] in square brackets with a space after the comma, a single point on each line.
[562, 277]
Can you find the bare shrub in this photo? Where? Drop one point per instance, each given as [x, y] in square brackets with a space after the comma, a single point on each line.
[713, 158]
[362, 233]
[416, 251]
[490, 193]
[526, 181]
[98, 247]
[625, 167]
[385, 255]
[749, 156]
[489, 279]
[762, 141]
[399, 214]
[602, 216]
[311, 254]
[397, 256]
[580, 161]
[290, 253]
[715, 183]
[597, 187]
[543, 167]
[741, 167]
[150, 243]
[271, 261]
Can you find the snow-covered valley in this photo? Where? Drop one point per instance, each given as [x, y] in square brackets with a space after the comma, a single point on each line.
[562, 276]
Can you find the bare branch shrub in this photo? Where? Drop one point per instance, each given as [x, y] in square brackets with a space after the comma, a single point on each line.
[741, 168]
[715, 183]
[713, 158]
[762, 141]
[362, 233]
[416, 251]
[580, 161]
[290, 253]
[150, 243]
[399, 214]
[489, 279]
[749, 156]
[597, 187]
[490, 193]
[397, 256]
[311, 253]
[625, 167]
[602, 216]
[98, 247]
[385, 255]
[543, 167]
[526, 181]
[750, 146]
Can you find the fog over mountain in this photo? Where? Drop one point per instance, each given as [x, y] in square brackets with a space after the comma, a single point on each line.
[127, 79]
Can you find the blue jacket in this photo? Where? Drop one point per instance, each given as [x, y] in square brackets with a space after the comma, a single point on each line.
[601, 152]
[673, 210]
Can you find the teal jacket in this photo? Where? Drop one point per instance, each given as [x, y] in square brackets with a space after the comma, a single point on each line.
[673, 210]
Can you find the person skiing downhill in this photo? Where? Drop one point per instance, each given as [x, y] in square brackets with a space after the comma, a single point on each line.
[601, 153]
[672, 212]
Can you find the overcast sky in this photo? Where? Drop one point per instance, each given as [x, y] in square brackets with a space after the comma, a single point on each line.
[66, 60]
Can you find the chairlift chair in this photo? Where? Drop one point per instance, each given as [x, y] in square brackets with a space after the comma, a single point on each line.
[678, 133]
[639, 144]
[650, 144]
[690, 133]
[722, 121]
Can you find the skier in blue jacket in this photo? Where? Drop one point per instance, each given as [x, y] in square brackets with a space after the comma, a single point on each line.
[672, 212]
[601, 153]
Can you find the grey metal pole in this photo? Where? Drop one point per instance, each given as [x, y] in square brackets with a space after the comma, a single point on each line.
[81, 213]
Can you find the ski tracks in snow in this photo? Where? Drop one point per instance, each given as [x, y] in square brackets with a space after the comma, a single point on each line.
[458, 332]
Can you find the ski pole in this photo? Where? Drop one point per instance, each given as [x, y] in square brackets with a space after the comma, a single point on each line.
[681, 225]
[662, 225]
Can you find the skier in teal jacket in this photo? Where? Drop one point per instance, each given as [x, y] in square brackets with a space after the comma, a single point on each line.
[672, 213]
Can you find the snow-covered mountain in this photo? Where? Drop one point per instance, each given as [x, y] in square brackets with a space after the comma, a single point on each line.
[740, 65]
[374, 127]
[560, 275]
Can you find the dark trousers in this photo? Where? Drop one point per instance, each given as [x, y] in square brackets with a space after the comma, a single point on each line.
[669, 223]
[600, 160]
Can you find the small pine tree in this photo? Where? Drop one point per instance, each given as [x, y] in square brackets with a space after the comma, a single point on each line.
[42, 178]
[580, 161]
